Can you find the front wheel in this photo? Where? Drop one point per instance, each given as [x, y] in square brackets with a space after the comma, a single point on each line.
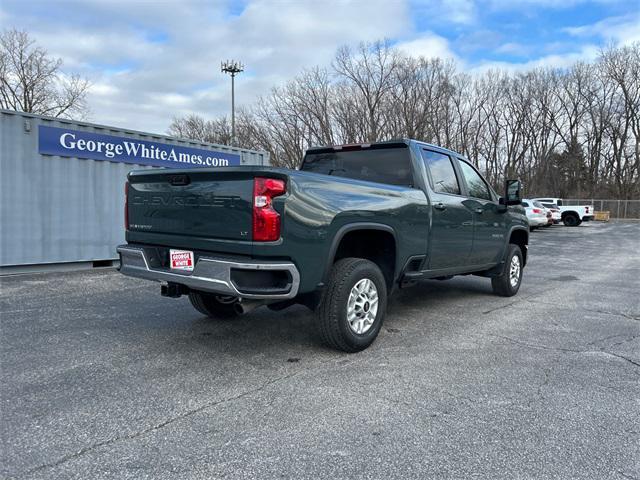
[508, 283]
[353, 305]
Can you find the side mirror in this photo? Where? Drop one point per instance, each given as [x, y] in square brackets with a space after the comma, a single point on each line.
[512, 195]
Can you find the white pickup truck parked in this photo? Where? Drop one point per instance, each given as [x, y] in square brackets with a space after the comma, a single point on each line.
[571, 215]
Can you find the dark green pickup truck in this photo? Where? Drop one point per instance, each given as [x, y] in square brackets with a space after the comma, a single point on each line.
[339, 235]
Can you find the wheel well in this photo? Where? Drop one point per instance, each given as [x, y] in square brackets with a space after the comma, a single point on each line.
[376, 245]
[570, 212]
[520, 238]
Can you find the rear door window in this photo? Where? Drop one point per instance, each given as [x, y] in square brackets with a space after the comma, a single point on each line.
[443, 175]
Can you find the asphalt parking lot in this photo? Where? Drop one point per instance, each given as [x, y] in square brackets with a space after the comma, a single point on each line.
[103, 378]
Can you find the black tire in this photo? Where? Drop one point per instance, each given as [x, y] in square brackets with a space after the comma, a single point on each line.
[531, 229]
[571, 220]
[502, 284]
[214, 306]
[331, 314]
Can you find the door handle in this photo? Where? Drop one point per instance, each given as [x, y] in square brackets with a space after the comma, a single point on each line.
[439, 206]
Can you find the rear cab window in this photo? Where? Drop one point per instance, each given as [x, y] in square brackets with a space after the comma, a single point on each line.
[383, 163]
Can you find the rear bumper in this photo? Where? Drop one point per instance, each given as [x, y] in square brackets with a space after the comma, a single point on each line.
[537, 221]
[214, 275]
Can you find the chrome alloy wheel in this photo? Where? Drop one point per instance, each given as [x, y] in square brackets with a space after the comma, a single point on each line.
[362, 306]
[514, 271]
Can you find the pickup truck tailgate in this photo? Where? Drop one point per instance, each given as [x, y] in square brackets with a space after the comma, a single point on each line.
[211, 204]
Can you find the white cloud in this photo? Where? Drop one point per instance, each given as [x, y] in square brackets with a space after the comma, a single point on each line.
[622, 30]
[589, 39]
[427, 45]
[564, 60]
[586, 53]
[514, 48]
[148, 65]
[102, 89]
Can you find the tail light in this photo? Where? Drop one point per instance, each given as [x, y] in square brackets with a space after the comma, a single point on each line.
[266, 221]
[586, 209]
[126, 205]
[537, 210]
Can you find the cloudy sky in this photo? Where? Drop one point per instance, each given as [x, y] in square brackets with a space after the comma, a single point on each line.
[150, 60]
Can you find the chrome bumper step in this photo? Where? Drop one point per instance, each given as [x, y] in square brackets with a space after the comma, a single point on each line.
[210, 274]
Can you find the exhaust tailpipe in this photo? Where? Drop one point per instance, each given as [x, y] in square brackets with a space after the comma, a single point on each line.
[246, 306]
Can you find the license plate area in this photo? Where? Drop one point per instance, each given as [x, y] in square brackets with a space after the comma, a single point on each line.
[181, 260]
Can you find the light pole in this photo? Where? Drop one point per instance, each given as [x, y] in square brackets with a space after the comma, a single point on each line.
[232, 68]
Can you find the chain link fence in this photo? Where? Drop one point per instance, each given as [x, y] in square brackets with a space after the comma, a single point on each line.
[616, 208]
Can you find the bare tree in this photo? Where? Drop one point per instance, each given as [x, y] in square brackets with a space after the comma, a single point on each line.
[312, 94]
[31, 81]
[194, 127]
[565, 132]
[622, 66]
[372, 71]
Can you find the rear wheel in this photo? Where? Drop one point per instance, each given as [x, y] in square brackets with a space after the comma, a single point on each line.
[508, 283]
[571, 220]
[214, 306]
[353, 305]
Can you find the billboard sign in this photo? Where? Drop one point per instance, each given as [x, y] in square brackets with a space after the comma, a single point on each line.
[67, 142]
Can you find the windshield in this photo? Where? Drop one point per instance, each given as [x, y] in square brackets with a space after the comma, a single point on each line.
[376, 164]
